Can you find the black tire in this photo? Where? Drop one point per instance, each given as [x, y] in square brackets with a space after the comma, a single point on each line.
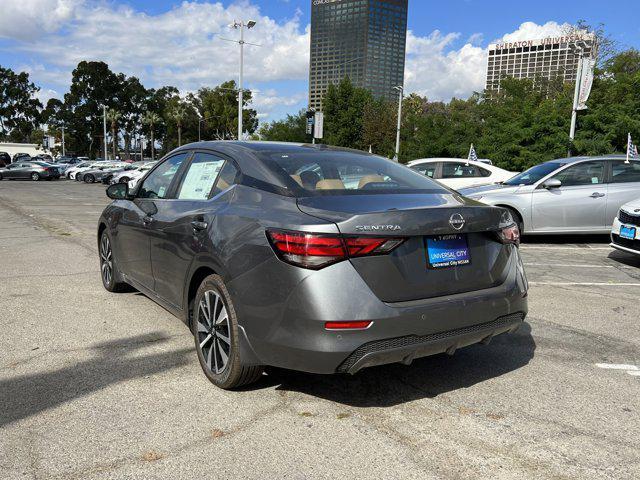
[89, 178]
[108, 261]
[35, 176]
[0, 176]
[232, 374]
[124, 180]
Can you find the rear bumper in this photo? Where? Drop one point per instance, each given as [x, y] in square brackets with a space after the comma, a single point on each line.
[289, 331]
[406, 349]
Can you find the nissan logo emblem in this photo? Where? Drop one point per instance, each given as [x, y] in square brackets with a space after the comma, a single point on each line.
[457, 221]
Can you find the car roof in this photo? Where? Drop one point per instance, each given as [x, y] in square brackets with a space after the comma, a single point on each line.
[250, 155]
[584, 158]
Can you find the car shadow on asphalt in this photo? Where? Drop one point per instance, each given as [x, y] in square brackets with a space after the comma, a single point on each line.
[428, 377]
[115, 361]
[628, 259]
[565, 239]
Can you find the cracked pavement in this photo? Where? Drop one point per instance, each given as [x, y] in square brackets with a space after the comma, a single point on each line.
[96, 385]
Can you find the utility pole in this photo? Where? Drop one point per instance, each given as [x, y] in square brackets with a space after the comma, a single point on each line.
[104, 128]
[400, 90]
[63, 152]
[241, 25]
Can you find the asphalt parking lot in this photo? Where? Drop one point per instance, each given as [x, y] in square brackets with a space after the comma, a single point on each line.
[99, 385]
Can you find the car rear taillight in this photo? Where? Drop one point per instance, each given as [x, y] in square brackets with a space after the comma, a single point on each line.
[357, 325]
[315, 251]
[510, 235]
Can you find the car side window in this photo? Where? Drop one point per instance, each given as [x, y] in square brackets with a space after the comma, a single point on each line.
[458, 170]
[157, 184]
[226, 178]
[623, 172]
[427, 169]
[586, 173]
[484, 172]
[200, 177]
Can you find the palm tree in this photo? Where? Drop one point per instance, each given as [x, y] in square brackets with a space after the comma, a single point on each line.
[178, 114]
[113, 117]
[152, 119]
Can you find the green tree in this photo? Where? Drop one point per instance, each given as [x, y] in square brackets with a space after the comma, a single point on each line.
[293, 128]
[344, 107]
[151, 119]
[379, 125]
[93, 84]
[219, 106]
[19, 109]
[113, 117]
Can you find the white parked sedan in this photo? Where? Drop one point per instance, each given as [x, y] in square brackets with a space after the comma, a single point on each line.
[459, 173]
[625, 233]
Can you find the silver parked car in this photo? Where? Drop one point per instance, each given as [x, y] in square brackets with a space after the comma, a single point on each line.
[567, 195]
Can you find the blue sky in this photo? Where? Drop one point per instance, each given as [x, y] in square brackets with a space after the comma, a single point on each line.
[180, 43]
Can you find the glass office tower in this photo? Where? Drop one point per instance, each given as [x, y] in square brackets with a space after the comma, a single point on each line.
[362, 39]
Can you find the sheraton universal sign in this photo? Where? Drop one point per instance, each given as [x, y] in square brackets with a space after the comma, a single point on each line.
[544, 41]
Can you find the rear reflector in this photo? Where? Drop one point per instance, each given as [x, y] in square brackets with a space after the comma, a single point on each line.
[315, 251]
[510, 234]
[362, 325]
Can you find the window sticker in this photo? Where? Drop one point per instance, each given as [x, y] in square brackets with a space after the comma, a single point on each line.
[199, 180]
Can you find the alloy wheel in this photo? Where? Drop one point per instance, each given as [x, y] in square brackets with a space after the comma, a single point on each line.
[214, 333]
[106, 260]
[35, 177]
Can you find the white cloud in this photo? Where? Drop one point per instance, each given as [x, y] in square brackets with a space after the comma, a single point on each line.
[27, 19]
[438, 71]
[533, 31]
[185, 47]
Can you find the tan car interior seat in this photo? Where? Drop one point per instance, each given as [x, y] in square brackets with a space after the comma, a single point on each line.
[369, 179]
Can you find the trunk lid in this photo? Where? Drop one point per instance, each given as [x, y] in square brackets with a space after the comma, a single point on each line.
[405, 274]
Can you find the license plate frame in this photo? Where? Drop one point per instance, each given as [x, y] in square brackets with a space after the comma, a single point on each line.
[627, 232]
[447, 251]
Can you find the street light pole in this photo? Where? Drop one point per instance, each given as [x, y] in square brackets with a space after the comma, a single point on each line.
[241, 25]
[104, 128]
[63, 152]
[400, 90]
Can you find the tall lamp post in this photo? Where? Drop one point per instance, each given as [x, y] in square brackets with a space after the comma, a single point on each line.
[400, 90]
[241, 26]
[63, 150]
[104, 128]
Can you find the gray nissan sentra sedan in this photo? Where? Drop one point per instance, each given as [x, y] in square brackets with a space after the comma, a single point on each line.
[311, 258]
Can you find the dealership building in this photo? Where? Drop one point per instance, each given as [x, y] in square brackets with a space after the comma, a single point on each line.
[544, 58]
[362, 39]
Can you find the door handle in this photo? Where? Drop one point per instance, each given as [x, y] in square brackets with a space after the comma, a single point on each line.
[199, 226]
[596, 195]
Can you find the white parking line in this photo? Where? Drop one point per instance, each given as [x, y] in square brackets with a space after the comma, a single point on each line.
[584, 249]
[586, 284]
[565, 265]
[629, 369]
[617, 366]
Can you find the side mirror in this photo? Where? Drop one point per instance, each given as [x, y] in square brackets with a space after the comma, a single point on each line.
[118, 191]
[552, 183]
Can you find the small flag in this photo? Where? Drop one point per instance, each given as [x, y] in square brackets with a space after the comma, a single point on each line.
[473, 156]
[632, 150]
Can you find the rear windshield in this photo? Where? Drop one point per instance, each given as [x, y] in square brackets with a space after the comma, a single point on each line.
[313, 173]
[534, 174]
